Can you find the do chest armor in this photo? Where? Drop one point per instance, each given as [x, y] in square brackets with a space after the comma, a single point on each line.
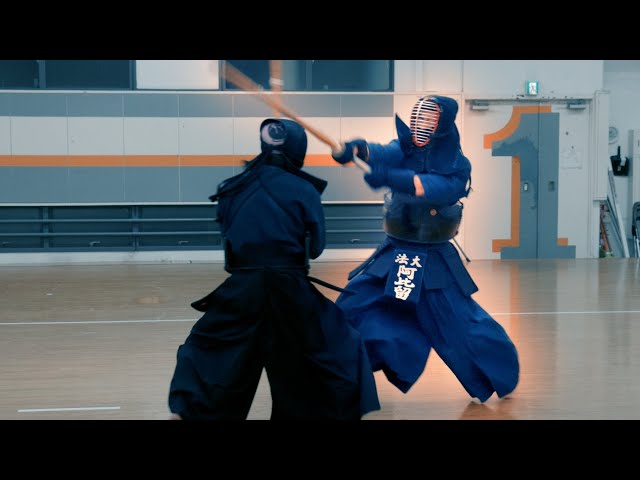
[412, 219]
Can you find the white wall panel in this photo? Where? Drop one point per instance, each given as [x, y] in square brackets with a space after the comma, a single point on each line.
[246, 136]
[5, 135]
[442, 75]
[39, 135]
[328, 126]
[206, 136]
[151, 136]
[378, 130]
[96, 136]
[405, 76]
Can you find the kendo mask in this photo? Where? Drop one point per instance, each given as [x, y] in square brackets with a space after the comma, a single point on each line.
[425, 118]
[285, 137]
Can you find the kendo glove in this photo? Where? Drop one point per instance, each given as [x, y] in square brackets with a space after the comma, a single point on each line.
[397, 179]
[345, 155]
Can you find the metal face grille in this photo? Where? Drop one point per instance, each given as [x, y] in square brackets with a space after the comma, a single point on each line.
[424, 121]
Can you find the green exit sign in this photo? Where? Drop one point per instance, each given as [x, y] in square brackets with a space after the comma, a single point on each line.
[532, 88]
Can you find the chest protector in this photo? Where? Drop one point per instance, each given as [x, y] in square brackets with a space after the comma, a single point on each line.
[412, 219]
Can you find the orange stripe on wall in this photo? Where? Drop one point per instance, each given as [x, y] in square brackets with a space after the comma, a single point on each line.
[512, 124]
[514, 241]
[213, 160]
[314, 160]
[96, 161]
[33, 160]
[323, 160]
[151, 161]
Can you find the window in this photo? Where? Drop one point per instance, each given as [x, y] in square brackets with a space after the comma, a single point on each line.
[351, 75]
[321, 75]
[112, 74]
[256, 70]
[19, 74]
[61, 74]
[296, 75]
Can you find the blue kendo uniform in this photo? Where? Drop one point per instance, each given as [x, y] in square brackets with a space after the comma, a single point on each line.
[267, 314]
[414, 293]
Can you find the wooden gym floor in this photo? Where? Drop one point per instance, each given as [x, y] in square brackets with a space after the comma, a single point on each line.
[99, 342]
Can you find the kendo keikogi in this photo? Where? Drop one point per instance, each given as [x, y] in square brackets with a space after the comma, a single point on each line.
[414, 292]
[267, 314]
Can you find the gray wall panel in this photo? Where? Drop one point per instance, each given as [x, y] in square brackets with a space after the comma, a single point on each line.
[96, 184]
[303, 105]
[250, 106]
[95, 105]
[345, 184]
[197, 184]
[34, 184]
[151, 105]
[313, 105]
[4, 105]
[366, 106]
[205, 105]
[38, 104]
[195, 105]
[151, 184]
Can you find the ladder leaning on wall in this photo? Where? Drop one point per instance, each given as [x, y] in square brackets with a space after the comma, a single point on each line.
[613, 223]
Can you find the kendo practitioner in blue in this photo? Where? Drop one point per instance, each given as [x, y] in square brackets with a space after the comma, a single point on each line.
[267, 314]
[414, 293]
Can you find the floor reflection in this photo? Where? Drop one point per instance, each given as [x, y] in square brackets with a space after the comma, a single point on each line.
[501, 410]
[575, 324]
